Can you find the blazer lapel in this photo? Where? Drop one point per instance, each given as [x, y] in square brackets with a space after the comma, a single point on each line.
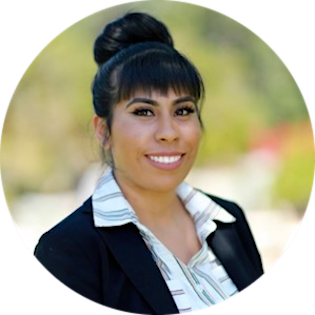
[227, 246]
[135, 259]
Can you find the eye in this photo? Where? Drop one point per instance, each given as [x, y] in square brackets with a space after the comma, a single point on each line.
[142, 112]
[185, 111]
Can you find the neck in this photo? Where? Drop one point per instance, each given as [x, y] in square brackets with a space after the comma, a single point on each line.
[151, 207]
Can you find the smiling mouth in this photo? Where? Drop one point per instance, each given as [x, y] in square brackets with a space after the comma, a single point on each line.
[165, 159]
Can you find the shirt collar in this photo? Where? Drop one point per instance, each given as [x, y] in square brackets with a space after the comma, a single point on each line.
[111, 208]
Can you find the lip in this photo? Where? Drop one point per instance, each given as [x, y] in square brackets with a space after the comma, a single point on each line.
[166, 166]
[165, 153]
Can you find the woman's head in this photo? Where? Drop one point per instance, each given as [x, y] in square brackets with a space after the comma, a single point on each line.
[135, 54]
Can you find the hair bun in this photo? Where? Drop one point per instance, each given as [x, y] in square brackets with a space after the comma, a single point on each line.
[130, 29]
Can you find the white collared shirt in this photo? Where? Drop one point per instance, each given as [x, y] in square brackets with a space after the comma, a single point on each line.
[203, 281]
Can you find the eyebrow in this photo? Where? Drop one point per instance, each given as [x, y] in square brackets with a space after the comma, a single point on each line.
[155, 103]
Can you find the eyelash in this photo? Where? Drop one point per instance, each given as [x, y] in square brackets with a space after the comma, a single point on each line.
[144, 111]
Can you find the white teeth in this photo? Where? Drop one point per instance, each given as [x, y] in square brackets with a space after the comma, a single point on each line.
[165, 159]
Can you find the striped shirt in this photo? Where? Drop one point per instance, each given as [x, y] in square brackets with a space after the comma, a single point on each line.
[200, 283]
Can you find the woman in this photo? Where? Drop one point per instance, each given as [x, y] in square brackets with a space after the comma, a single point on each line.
[146, 242]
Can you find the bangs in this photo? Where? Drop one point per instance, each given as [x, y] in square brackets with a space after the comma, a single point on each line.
[158, 71]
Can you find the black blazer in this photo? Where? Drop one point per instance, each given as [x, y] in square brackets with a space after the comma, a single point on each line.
[112, 266]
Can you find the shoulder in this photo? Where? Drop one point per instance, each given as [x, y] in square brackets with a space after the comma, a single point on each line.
[243, 229]
[75, 233]
[76, 224]
[74, 253]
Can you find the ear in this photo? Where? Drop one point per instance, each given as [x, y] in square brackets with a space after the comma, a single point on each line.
[101, 131]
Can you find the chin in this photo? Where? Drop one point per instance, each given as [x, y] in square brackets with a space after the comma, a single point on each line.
[165, 184]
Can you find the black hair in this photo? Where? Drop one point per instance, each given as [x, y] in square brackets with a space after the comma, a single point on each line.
[136, 52]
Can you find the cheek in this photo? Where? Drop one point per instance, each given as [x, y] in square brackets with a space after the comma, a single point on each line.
[193, 135]
[127, 136]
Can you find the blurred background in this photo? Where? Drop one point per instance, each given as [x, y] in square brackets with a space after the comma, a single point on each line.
[257, 149]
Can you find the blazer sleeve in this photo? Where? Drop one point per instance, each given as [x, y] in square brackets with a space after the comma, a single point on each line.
[68, 262]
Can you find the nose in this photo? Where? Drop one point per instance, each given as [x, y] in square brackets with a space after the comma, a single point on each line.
[167, 130]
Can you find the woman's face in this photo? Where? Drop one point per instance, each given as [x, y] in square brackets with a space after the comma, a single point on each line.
[154, 140]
